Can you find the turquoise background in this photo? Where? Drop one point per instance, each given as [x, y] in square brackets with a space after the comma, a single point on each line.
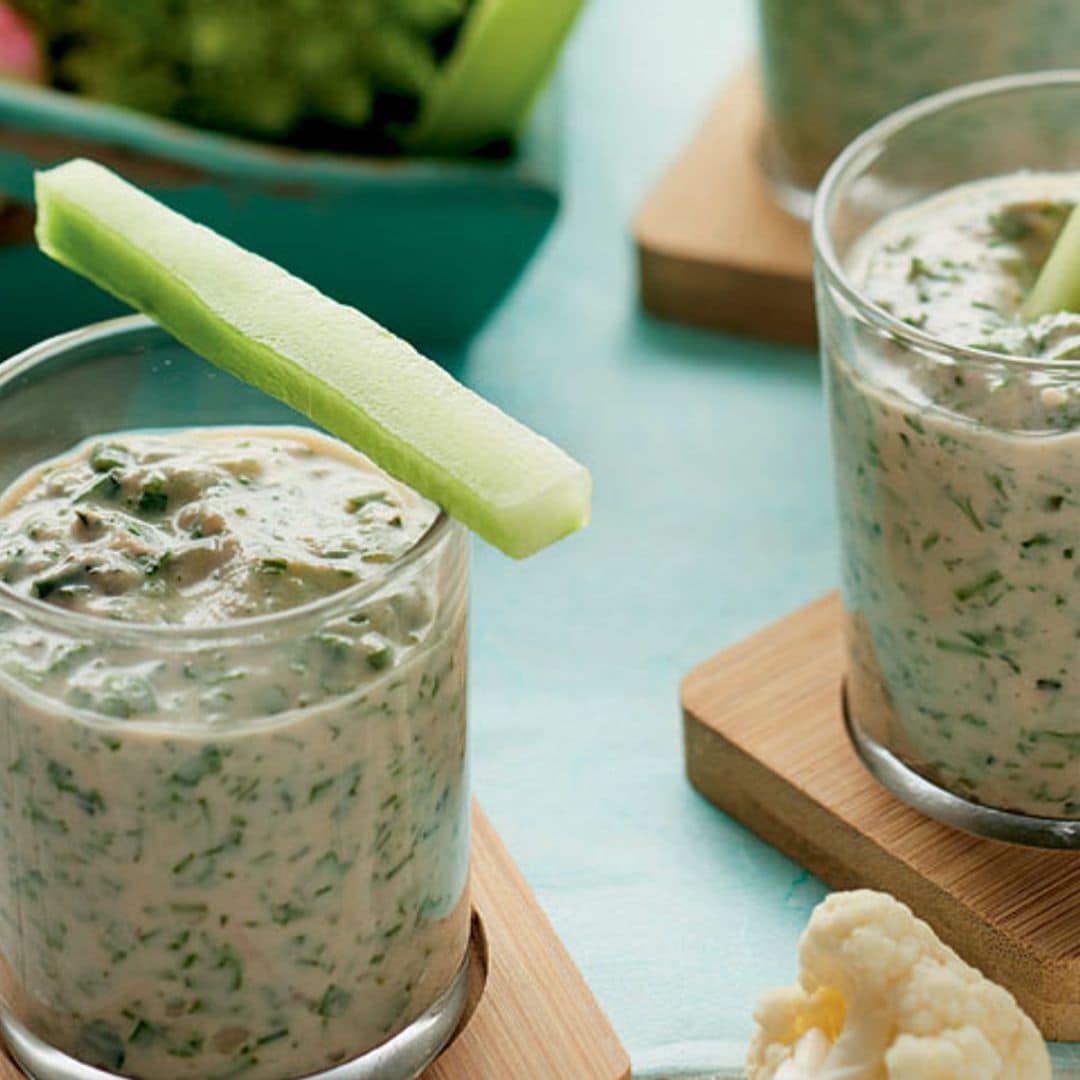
[713, 517]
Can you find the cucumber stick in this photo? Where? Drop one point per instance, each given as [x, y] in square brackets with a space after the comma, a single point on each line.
[484, 89]
[328, 361]
[1057, 287]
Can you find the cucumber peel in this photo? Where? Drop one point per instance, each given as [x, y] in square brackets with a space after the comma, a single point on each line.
[330, 362]
[485, 87]
[1057, 287]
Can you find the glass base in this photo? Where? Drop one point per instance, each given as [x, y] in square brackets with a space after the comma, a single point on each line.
[789, 196]
[403, 1057]
[941, 805]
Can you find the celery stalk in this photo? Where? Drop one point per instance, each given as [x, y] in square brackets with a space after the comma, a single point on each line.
[484, 89]
[1057, 287]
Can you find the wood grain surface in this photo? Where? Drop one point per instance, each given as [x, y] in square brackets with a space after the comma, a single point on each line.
[765, 742]
[714, 248]
[536, 1020]
[530, 1015]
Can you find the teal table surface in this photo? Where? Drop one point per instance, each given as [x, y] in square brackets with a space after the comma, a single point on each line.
[713, 516]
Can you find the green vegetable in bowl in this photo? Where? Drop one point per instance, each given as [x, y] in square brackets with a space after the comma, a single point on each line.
[443, 76]
[272, 69]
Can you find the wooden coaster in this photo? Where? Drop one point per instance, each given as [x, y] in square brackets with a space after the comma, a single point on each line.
[535, 1019]
[765, 742]
[530, 1015]
[714, 248]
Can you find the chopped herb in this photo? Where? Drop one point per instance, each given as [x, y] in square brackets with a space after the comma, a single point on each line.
[105, 457]
[962, 647]
[229, 962]
[100, 1045]
[125, 696]
[142, 1033]
[993, 639]
[283, 914]
[206, 763]
[107, 488]
[917, 269]
[153, 501]
[358, 502]
[1010, 224]
[153, 565]
[318, 790]
[978, 588]
[66, 582]
[273, 1036]
[1038, 540]
[376, 650]
[63, 779]
[334, 1002]
[965, 507]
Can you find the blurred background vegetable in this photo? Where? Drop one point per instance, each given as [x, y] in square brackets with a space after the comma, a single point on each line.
[428, 248]
[366, 76]
[318, 72]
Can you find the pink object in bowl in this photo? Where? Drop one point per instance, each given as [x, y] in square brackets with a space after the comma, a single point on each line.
[20, 53]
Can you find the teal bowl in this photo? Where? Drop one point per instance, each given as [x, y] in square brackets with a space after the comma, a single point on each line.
[426, 247]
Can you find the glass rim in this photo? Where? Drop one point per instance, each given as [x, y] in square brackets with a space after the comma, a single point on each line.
[69, 622]
[868, 146]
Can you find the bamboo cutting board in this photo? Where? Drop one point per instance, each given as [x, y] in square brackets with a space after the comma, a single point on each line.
[765, 742]
[530, 1015]
[714, 248]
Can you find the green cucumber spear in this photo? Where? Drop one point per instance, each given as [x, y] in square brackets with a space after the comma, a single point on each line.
[328, 361]
[1057, 287]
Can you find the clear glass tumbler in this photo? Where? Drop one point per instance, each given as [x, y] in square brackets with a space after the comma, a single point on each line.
[961, 656]
[234, 851]
[831, 68]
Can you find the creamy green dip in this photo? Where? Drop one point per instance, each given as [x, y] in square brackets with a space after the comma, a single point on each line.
[234, 828]
[831, 68]
[203, 527]
[959, 495]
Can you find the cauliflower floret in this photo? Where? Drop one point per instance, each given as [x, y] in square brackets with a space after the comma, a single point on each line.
[880, 997]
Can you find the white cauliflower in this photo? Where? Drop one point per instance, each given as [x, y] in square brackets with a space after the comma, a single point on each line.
[880, 997]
